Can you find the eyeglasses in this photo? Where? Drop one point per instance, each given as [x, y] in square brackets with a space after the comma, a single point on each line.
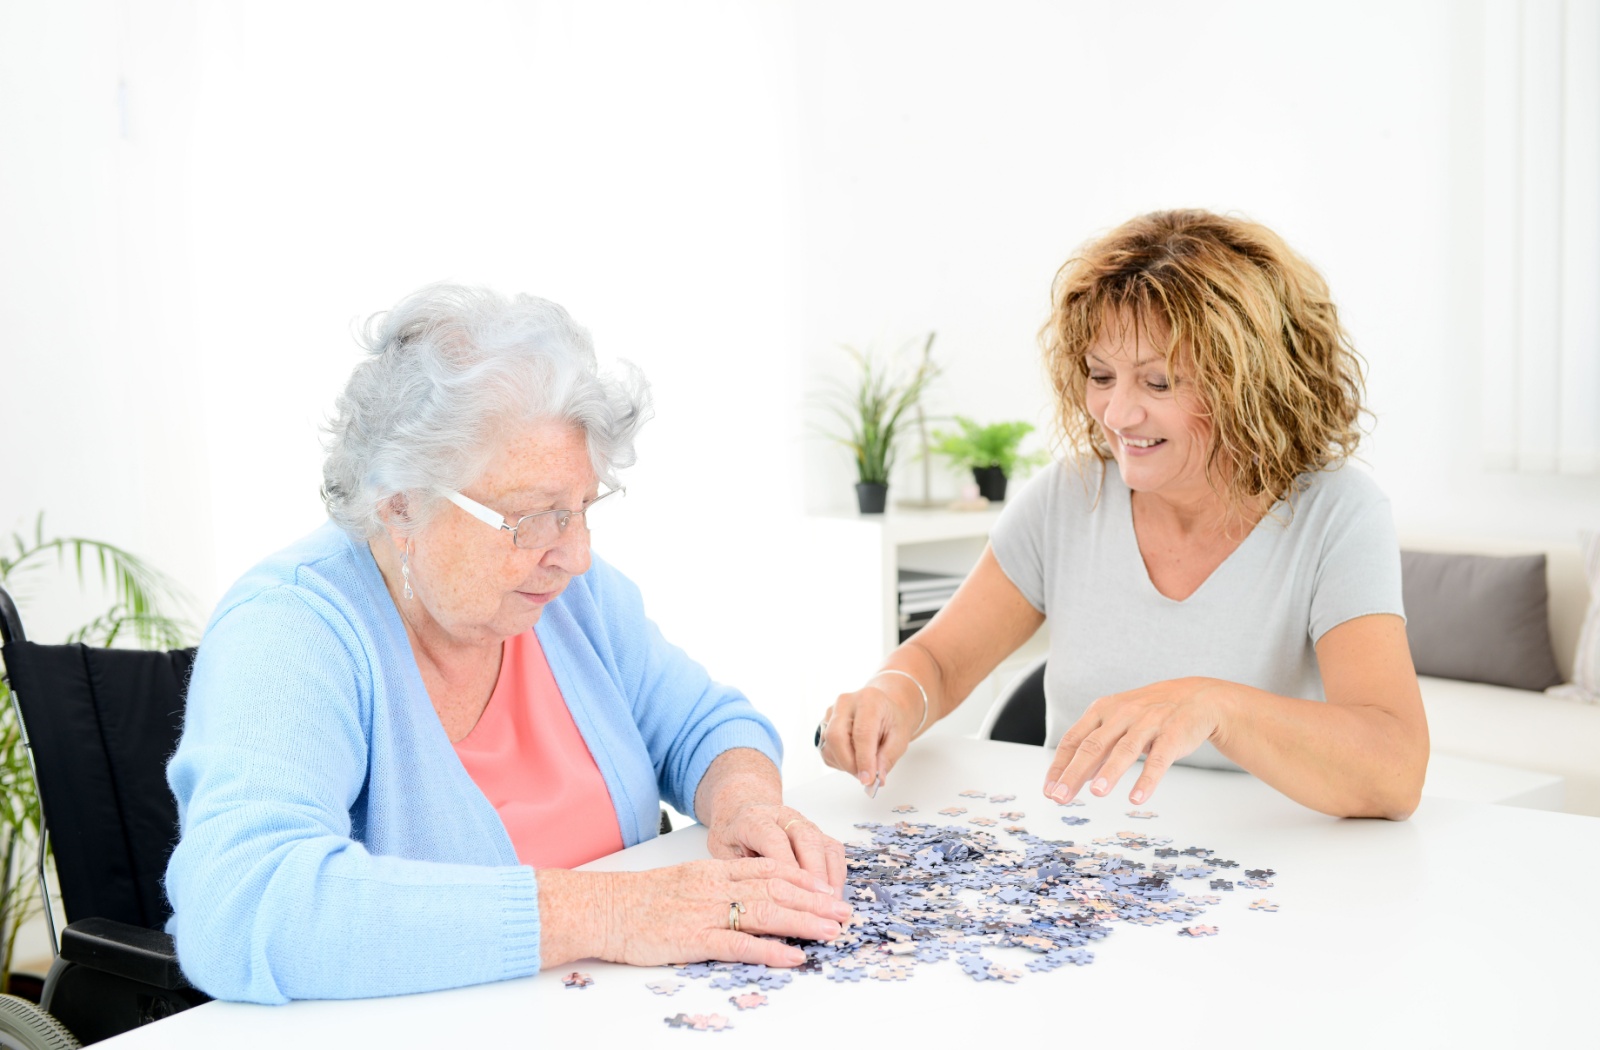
[532, 531]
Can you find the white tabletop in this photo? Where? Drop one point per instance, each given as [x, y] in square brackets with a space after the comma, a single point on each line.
[1467, 925]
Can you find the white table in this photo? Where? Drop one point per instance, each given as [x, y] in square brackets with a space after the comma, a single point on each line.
[1468, 925]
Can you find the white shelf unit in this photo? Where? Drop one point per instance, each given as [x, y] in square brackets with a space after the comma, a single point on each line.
[869, 550]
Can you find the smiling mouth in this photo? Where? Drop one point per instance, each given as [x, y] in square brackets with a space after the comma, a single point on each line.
[1141, 442]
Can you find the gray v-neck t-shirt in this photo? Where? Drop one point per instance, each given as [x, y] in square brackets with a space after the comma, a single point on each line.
[1326, 555]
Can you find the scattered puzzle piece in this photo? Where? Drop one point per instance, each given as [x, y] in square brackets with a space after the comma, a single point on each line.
[1012, 815]
[1263, 905]
[1002, 798]
[577, 980]
[665, 987]
[748, 1001]
[904, 809]
[974, 793]
[1141, 814]
[775, 979]
[952, 811]
[1197, 931]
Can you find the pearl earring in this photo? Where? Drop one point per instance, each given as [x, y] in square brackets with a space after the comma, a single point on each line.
[405, 569]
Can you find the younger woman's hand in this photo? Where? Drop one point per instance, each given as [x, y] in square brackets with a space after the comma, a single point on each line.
[865, 733]
[1165, 721]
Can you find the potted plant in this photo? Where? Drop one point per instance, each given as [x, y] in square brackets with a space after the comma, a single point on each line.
[873, 411]
[990, 452]
[135, 615]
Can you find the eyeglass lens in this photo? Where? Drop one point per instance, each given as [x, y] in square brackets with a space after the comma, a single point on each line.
[545, 528]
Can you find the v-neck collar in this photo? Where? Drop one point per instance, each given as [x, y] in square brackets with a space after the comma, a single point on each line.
[1142, 570]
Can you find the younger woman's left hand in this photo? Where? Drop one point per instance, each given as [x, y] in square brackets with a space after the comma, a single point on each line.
[1164, 721]
[758, 829]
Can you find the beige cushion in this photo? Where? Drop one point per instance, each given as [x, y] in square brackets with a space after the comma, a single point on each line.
[1585, 670]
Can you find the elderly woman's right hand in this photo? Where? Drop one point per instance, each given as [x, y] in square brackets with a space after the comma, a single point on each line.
[683, 913]
[865, 732]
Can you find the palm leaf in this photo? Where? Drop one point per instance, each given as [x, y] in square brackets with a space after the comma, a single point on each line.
[139, 590]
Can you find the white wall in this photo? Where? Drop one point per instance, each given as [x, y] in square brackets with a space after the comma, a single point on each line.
[723, 192]
[953, 158]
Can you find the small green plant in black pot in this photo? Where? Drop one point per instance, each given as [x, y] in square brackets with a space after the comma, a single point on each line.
[990, 452]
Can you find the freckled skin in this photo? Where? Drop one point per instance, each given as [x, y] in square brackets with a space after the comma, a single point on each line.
[471, 585]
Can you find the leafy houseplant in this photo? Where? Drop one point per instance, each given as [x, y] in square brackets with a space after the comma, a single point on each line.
[139, 592]
[873, 411]
[990, 452]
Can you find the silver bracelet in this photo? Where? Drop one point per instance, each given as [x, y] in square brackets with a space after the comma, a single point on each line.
[924, 692]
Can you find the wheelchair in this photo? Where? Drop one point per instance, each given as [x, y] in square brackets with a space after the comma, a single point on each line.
[100, 725]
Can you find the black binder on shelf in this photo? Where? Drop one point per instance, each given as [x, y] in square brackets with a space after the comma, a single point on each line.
[920, 595]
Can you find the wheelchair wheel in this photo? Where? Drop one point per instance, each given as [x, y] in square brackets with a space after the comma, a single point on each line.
[23, 1026]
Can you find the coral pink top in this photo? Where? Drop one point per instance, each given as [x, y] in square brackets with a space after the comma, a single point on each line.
[528, 758]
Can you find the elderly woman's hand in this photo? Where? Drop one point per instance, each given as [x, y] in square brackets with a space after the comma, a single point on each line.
[1164, 721]
[740, 801]
[756, 829]
[729, 910]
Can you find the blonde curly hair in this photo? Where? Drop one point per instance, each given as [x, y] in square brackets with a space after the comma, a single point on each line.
[1247, 322]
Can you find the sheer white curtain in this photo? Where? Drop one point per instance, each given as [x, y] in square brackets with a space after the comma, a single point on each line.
[1542, 236]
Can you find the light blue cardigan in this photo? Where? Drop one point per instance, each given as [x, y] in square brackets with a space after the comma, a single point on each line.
[332, 845]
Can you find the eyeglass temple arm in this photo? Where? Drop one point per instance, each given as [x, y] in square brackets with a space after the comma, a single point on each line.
[477, 510]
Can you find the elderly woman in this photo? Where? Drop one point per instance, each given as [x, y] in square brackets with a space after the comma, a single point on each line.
[1222, 589]
[405, 728]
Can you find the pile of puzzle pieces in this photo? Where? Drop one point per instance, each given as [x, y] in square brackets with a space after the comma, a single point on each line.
[923, 894]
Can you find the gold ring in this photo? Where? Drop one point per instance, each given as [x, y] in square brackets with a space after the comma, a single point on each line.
[735, 909]
[792, 823]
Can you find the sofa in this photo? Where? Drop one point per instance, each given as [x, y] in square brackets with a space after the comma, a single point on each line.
[1518, 727]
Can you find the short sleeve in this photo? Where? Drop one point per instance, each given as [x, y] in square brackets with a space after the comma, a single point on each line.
[1359, 571]
[1019, 537]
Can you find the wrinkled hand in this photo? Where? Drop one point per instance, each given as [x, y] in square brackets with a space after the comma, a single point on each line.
[1164, 721]
[781, 833]
[864, 733]
[681, 914]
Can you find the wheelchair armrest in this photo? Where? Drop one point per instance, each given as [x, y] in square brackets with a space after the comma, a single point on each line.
[139, 954]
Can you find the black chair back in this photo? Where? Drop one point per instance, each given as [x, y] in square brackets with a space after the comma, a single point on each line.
[1020, 718]
[102, 724]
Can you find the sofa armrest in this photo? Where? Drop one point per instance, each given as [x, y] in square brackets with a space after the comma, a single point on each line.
[1513, 727]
